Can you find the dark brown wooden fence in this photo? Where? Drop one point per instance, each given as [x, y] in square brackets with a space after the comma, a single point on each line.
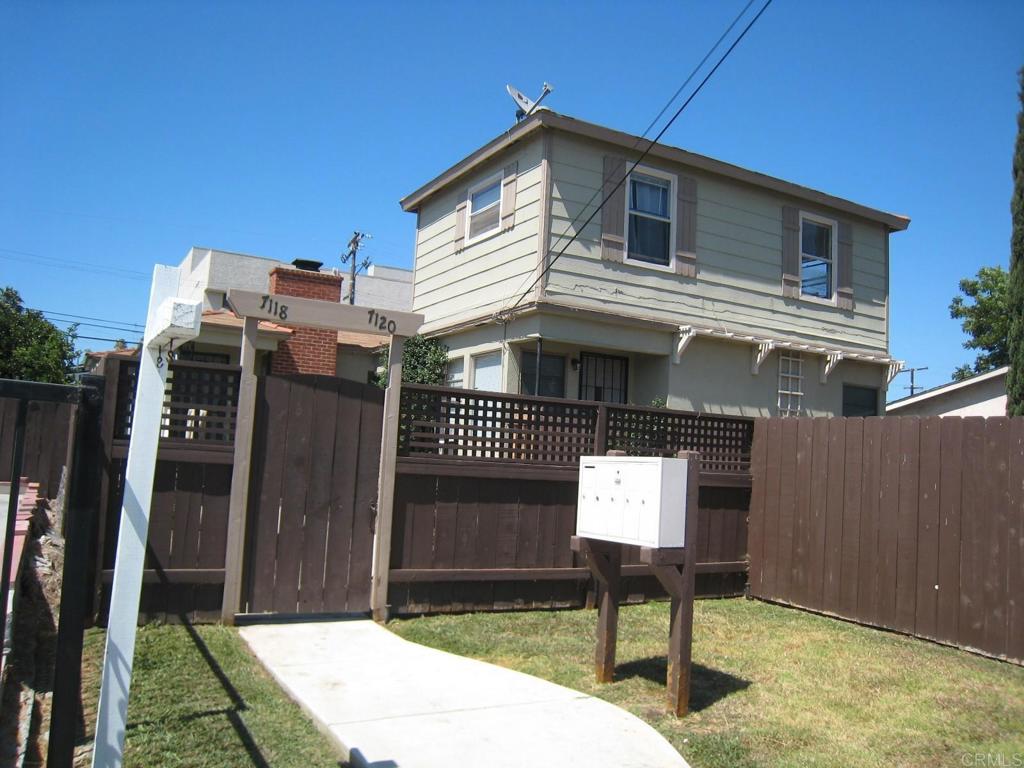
[47, 437]
[184, 574]
[486, 488]
[906, 523]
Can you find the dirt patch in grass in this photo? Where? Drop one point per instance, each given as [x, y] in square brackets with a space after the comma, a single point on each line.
[771, 686]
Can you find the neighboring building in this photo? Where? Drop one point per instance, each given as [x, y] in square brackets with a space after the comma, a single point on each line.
[210, 273]
[709, 286]
[981, 395]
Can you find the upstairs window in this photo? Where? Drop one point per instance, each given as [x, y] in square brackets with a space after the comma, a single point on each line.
[791, 383]
[485, 207]
[817, 257]
[649, 208]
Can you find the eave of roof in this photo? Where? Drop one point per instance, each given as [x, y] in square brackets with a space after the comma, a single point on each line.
[547, 118]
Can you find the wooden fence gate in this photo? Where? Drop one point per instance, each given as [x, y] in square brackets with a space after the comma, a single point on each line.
[316, 454]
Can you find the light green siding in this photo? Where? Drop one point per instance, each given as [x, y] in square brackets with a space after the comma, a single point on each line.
[739, 261]
[712, 376]
[451, 286]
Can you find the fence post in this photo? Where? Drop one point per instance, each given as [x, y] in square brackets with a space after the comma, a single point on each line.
[601, 432]
[81, 507]
[386, 483]
[17, 457]
[112, 378]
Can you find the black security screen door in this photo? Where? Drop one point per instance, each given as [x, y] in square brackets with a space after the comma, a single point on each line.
[603, 378]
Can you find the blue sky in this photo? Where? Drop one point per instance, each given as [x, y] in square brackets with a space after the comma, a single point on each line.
[131, 131]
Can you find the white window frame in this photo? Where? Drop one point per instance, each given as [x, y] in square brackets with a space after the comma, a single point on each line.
[671, 179]
[833, 243]
[791, 386]
[498, 177]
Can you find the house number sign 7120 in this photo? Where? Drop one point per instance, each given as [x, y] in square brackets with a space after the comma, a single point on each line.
[380, 322]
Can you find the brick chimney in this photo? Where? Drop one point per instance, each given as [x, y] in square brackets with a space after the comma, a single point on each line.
[307, 350]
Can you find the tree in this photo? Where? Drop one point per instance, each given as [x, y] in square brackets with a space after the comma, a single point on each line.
[1015, 299]
[985, 320]
[31, 347]
[424, 361]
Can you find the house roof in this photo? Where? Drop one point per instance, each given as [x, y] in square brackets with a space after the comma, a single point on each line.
[545, 118]
[364, 340]
[226, 319]
[943, 389]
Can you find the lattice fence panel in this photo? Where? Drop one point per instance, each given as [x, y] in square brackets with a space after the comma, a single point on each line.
[467, 424]
[200, 402]
[724, 442]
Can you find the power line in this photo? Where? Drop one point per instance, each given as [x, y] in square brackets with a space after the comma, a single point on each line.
[94, 325]
[85, 317]
[644, 154]
[78, 266]
[114, 341]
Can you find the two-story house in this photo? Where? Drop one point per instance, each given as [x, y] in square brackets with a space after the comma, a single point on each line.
[699, 284]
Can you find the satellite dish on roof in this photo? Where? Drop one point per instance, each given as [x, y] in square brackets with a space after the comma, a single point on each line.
[524, 105]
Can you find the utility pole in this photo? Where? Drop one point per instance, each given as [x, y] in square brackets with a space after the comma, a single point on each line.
[353, 249]
[913, 384]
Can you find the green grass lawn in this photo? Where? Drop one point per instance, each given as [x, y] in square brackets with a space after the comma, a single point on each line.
[199, 699]
[771, 686]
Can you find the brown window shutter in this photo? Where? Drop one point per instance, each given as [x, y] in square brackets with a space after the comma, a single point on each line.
[460, 225]
[844, 269]
[686, 226]
[790, 252]
[508, 196]
[613, 213]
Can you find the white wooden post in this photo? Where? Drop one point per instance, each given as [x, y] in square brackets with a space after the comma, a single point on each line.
[238, 505]
[168, 319]
[386, 483]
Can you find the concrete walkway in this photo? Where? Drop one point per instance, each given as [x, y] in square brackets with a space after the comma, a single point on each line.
[391, 703]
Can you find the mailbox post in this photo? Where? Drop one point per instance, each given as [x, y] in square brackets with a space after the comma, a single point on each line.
[619, 506]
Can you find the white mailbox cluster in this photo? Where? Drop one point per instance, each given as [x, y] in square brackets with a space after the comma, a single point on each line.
[632, 500]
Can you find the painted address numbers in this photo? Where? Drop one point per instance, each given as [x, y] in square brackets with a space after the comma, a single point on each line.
[274, 307]
[380, 322]
[374, 319]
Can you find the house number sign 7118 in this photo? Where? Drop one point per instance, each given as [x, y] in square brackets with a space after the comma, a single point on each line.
[274, 307]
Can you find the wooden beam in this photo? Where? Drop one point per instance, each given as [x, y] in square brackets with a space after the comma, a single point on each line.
[386, 483]
[234, 558]
[663, 555]
[311, 313]
[175, 576]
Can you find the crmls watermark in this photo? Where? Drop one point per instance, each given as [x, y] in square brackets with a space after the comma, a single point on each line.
[992, 760]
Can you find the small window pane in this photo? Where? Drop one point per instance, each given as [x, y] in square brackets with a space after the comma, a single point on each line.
[486, 196]
[487, 372]
[816, 240]
[455, 373]
[649, 195]
[649, 240]
[816, 278]
[552, 375]
[482, 222]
